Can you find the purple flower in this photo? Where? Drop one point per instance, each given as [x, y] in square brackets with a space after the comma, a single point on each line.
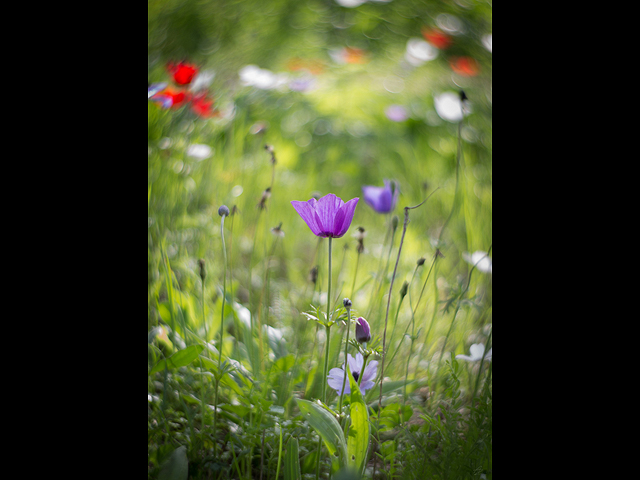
[336, 375]
[397, 113]
[363, 332]
[382, 199]
[327, 217]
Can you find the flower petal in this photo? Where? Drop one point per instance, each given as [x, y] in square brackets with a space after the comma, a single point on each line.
[307, 211]
[364, 386]
[326, 209]
[335, 380]
[370, 371]
[345, 217]
[477, 349]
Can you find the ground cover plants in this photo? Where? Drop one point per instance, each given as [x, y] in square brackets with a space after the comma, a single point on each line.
[319, 240]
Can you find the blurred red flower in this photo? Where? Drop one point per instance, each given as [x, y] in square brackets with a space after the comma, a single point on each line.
[202, 106]
[182, 72]
[437, 38]
[465, 66]
[354, 55]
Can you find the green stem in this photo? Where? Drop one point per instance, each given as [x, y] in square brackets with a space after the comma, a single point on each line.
[346, 345]
[224, 290]
[326, 354]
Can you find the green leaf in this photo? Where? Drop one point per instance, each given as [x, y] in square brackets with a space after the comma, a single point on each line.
[327, 427]
[179, 359]
[359, 430]
[176, 467]
[291, 462]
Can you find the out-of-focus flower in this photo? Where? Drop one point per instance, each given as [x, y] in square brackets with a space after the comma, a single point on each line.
[277, 231]
[302, 84]
[449, 106]
[314, 67]
[169, 97]
[480, 259]
[396, 113]
[328, 217]
[202, 106]
[437, 38]
[156, 88]
[363, 331]
[465, 66]
[382, 199]
[351, 55]
[487, 41]
[477, 352]
[418, 52]
[336, 375]
[254, 76]
[199, 151]
[202, 80]
[183, 73]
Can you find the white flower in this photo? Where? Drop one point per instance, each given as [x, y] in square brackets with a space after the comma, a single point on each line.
[477, 351]
[199, 151]
[480, 260]
[449, 106]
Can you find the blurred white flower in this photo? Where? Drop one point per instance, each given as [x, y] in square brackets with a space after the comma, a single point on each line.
[251, 75]
[202, 80]
[350, 3]
[486, 41]
[477, 351]
[449, 106]
[480, 260]
[418, 51]
[199, 151]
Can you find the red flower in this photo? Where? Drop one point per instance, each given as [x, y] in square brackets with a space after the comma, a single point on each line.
[202, 106]
[182, 73]
[465, 66]
[437, 38]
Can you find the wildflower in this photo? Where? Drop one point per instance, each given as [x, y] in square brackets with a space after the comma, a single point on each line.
[480, 260]
[347, 303]
[363, 332]
[336, 375]
[382, 199]
[168, 97]
[437, 38]
[396, 113]
[155, 88]
[203, 271]
[329, 216]
[477, 351]
[182, 72]
[262, 205]
[202, 106]
[465, 66]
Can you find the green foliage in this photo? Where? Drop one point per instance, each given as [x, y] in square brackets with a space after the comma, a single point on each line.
[247, 407]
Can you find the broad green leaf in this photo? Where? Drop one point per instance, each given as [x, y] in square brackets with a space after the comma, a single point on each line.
[327, 427]
[359, 430]
[291, 461]
[179, 359]
[176, 467]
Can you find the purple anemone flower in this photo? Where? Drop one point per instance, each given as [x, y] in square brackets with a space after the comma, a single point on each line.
[327, 217]
[363, 331]
[336, 375]
[382, 199]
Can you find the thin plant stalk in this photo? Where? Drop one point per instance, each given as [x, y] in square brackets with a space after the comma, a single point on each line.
[224, 290]
[346, 346]
[326, 353]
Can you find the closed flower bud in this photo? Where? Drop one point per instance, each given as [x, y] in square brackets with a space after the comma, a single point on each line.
[363, 333]
[403, 290]
[394, 222]
[421, 261]
[347, 303]
[203, 272]
[223, 210]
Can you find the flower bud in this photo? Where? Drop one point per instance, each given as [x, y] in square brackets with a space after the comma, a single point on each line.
[223, 210]
[347, 303]
[394, 222]
[363, 333]
[203, 272]
[403, 290]
[421, 261]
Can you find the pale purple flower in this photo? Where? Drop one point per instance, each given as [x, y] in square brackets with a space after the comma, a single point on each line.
[327, 217]
[477, 352]
[381, 199]
[397, 113]
[336, 375]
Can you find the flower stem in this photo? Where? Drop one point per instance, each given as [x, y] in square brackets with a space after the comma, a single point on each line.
[224, 291]
[346, 345]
